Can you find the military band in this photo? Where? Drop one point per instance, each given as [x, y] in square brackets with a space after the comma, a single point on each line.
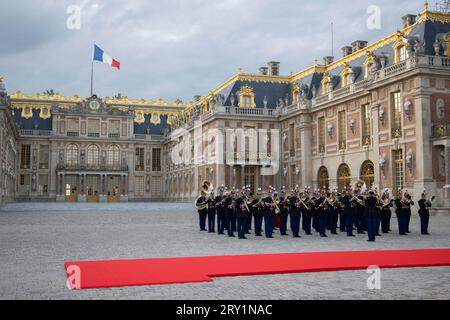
[360, 209]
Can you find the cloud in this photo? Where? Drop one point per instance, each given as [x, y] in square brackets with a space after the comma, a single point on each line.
[175, 48]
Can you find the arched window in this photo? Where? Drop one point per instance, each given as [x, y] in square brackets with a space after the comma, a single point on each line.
[323, 178]
[344, 177]
[326, 83]
[93, 153]
[368, 173]
[72, 155]
[114, 156]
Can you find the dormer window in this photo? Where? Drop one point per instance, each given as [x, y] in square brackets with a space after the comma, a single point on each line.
[400, 49]
[369, 64]
[247, 98]
[347, 76]
[326, 83]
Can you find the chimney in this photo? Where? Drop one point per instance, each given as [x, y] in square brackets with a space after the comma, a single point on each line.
[347, 50]
[358, 45]
[274, 68]
[409, 20]
[328, 60]
[264, 71]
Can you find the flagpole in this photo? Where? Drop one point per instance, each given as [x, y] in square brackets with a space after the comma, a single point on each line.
[92, 78]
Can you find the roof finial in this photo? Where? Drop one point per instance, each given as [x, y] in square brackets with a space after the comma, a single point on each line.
[426, 6]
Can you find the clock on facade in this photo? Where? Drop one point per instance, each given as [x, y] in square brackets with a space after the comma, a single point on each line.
[94, 105]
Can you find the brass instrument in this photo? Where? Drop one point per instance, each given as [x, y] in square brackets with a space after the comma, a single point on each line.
[207, 188]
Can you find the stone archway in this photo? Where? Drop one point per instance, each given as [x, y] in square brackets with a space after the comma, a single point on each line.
[344, 177]
[368, 173]
[323, 178]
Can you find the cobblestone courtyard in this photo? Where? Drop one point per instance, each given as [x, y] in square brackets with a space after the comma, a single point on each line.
[36, 240]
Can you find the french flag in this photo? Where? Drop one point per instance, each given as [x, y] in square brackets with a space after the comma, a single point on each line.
[101, 56]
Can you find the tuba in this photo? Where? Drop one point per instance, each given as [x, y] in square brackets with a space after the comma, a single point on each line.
[207, 188]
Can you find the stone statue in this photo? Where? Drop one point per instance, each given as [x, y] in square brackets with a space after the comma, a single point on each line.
[419, 48]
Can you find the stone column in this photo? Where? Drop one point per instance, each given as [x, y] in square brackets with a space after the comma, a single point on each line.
[376, 146]
[423, 156]
[306, 151]
[447, 177]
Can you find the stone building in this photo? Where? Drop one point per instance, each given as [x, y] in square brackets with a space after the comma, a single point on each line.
[380, 113]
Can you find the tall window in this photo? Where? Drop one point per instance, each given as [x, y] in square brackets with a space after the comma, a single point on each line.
[342, 131]
[321, 135]
[396, 101]
[292, 140]
[72, 155]
[365, 121]
[139, 186]
[114, 156]
[73, 127]
[43, 156]
[156, 159]
[114, 128]
[140, 153]
[398, 167]
[93, 154]
[25, 156]
[402, 53]
[156, 186]
[94, 128]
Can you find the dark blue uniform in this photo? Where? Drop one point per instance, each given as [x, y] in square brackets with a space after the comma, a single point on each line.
[211, 215]
[349, 212]
[202, 214]
[307, 215]
[269, 217]
[295, 215]
[400, 211]
[231, 216]
[322, 211]
[386, 214]
[221, 213]
[242, 214]
[258, 213]
[424, 214]
[284, 215]
[371, 213]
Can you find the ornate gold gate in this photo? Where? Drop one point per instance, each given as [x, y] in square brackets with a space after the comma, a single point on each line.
[368, 173]
[344, 177]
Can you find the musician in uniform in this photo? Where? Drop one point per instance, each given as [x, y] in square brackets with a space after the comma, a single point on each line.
[424, 212]
[349, 211]
[202, 208]
[314, 212]
[242, 212]
[231, 213]
[408, 212]
[360, 210]
[306, 211]
[284, 208]
[211, 212]
[371, 205]
[258, 212]
[248, 199]
[269, 213]
[400, 212]
[386, 213]
[221, 210]
[342, 215]
[322, 210]
[295, 214]
[334, 212]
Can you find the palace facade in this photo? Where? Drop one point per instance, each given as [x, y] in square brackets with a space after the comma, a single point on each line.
[380, 113]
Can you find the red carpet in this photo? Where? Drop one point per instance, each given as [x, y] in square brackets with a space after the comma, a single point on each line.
[105, 274]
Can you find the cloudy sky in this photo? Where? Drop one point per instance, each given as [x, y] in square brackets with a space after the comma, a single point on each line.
[175, 48]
